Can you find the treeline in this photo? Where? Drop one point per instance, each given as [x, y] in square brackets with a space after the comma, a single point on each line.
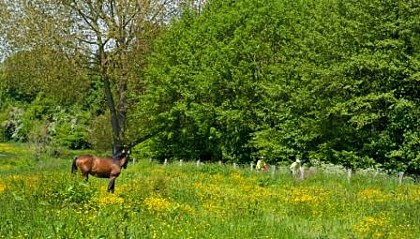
[331, 81]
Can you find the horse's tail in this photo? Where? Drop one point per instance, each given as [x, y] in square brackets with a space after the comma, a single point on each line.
[73, 165]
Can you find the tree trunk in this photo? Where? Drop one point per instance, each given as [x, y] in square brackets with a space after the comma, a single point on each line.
[117, 141]
[122, 111]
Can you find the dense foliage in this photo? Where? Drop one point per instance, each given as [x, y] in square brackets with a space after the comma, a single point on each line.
[334, 81]
[325, 80]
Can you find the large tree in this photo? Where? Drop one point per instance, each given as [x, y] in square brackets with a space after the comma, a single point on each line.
[106, 38]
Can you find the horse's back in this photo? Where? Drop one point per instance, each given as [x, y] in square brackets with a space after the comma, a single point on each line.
[98, 167]
[84, 163]
[104, 168]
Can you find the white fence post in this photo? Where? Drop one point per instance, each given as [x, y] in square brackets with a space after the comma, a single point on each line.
[180, 162]
[349, 174]
[273, 170]
[166, 162]
[376, 172]
[235, 165]
[400, 177]
[252, 166]
[302, 172]
[198, 163]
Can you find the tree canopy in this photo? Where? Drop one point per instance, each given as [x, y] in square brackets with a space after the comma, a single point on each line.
[334, 81]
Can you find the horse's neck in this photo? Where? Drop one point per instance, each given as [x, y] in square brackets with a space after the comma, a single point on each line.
[119, 161]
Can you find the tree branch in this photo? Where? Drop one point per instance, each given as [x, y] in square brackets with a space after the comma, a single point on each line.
[139, 140]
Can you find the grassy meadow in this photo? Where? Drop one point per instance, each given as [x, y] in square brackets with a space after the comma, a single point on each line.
[42, 199]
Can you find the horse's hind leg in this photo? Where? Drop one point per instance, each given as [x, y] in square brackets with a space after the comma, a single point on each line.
[111, 184]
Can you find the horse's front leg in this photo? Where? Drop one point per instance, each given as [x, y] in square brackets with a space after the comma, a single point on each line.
[111, 184]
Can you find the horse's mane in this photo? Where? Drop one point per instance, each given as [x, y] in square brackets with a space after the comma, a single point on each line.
[120, 155]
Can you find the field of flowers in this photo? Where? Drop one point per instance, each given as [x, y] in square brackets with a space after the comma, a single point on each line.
[42, 199]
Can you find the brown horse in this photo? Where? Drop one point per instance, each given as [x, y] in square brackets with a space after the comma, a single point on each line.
[101, 167]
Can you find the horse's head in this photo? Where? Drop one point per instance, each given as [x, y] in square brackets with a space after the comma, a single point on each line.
[125, 153]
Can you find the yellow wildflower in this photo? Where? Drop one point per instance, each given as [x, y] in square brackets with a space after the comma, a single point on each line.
[157, 204]
[216, 177]
[109, 199]
[372, 195]
[186, 209]
[308, 195]
[5, 167]
[6, 148]
[16, 177]
[371, 226]
[236, 176]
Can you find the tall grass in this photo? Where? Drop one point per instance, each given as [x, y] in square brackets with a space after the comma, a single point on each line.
[210, 201]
